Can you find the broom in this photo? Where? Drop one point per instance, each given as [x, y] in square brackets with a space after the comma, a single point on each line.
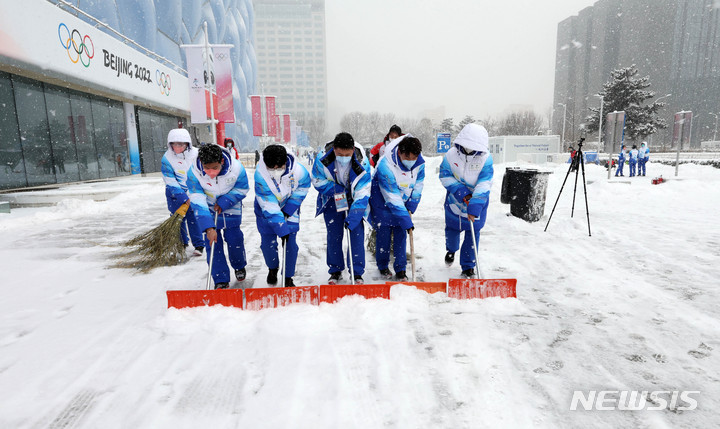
[159, 247]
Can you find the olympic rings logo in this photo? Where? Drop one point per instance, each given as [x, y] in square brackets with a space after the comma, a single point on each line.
[163, 81]
[79, 48]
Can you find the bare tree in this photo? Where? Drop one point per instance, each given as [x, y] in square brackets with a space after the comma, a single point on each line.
[491, 125]
[524, 123]
[353, 123]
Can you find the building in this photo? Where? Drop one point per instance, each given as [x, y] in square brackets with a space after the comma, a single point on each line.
[90, 89]
[674, 42]
[291, 57]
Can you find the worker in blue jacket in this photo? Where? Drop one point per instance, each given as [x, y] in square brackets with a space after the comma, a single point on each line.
[281, 185]
[218, 183]
[643, 157]
[176, 162]
[395, 194]
[466, 172]
[343, 185]
[621, 162]
[633, 160]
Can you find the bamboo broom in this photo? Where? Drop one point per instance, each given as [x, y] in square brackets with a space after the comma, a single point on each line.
[159, 247]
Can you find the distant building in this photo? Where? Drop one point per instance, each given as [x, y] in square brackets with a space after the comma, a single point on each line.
[674, 42]
[91, 91]
[291, 57]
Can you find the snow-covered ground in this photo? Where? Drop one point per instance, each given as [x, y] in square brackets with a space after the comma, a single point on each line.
[634, 307]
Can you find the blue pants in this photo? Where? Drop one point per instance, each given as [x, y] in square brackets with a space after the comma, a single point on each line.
[190, 223]
[335, 224]
[382, 247]
[619, 170]
[269, 247]
[641, 166]
[236, 251]
[632, 167]
[467, 253]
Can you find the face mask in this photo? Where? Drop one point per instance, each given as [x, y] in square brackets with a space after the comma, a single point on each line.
[277, 174]
[408, 163]
[467, 151]
[343, 160]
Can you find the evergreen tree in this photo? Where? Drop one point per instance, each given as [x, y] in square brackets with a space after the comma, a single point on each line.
[627, 92]
[466, 120]
[446, 126]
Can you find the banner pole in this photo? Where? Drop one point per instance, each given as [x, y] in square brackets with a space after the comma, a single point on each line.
[207, 70]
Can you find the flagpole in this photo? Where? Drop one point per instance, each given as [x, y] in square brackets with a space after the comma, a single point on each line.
[209, 76]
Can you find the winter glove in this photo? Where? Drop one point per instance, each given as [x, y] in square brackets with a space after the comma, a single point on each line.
[182, 211]
[467, 198]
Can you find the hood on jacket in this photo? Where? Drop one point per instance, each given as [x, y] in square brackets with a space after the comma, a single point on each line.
[179, 135]
[473, 137]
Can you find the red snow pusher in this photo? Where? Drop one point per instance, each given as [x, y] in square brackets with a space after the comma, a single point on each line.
[478, 287]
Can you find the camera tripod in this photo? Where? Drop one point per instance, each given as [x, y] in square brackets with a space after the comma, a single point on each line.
[577, 163]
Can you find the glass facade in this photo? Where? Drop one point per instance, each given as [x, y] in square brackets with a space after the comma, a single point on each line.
[49, 134]
[153, 128]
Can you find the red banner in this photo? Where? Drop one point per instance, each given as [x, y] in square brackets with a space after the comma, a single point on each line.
[278, 137]
[270, 115]
[286, 128]
[256, 104]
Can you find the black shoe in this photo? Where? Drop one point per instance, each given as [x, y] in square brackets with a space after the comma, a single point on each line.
[400, 275]
[468, 274]
[335, 278]
[449, 258]
[240, 274]
[272, 277]
[386, 273]
[222, 285]
[359, 280]
[198, 251]
[289, 282]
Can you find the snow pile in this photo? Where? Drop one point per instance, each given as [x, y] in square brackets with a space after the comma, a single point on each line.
[634, 307]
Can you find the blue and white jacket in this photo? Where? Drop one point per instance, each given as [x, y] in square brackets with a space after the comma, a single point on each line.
[396, 190]
[227, 190]
[277, 205]
[464, 175]
[643, 152]
[633, 155]
[324, 179]
[621, 156]
[174, 168]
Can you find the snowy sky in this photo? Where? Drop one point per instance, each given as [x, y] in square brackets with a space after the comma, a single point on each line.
[474, 57]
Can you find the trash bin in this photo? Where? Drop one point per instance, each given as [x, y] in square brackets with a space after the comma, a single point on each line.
[529, 189]
[508, 179]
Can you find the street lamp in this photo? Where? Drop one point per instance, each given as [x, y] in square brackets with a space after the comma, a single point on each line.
[716, 124]
[602, 100]
[658, 99]
[564, 115]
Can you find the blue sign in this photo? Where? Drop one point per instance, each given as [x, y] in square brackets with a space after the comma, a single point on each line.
[443, 142]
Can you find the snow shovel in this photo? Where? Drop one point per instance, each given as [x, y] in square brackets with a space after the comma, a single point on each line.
[282, 264]
[412, 254]
[206, 297]
[352, 273]
[479, 287]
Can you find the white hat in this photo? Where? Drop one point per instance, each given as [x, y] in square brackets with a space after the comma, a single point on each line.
[179, 135]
